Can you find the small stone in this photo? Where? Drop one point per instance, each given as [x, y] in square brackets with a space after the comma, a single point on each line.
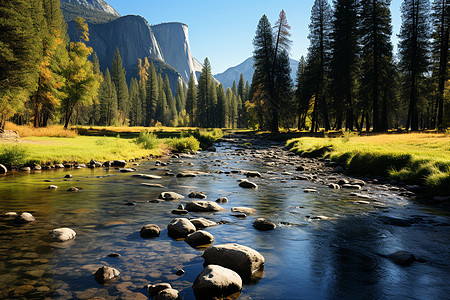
[129, 203]
[25, 169]
[180, 206]
[253, 174]
[264, 225]
[245, 210]
[167, 294]
[68, 176]
[105, 274]
[170, 196]
[180, 272]
[10, 214]
[310, 191]
[201, 223]
[216, 282]
[52, 187]
[127, 170]
[179, 212]
[186, 174]
[73, 189]
[351, 186]
[222, 200]
[198, 195]
[150, 230]
[62, 234]
[114, 255]
[180, 227]
[199, 238]
[25, 218]
[248, 184]
[402, 258]
[203, 206]
[334, 186]
[153, 290]
[239, 215]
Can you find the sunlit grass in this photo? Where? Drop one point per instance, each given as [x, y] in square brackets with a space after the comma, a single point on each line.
[50, 131]
[411, 158]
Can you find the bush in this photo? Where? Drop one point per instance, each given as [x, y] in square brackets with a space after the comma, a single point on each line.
[183, 144]
[205, 137]
[147, 140]
[13, 155]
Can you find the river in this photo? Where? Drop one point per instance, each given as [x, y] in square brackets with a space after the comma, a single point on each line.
[342, 256]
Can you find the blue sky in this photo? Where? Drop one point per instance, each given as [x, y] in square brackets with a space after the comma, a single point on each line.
[223, 31]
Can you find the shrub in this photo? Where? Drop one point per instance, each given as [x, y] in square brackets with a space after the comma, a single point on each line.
[13, 155]
[183, 144]
[205, 137]
[147, 140]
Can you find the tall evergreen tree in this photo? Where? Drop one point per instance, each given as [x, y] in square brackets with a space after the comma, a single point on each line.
[414, 53]
[206, 93]
[120, 82]
[180, 98]
[302, 94]
[222, 107]
[191, 100]
[172, 114]
[344, 60]
[107, 97]
[152, 95]
[440, 54]
[319, 59]
[376, 31]
[135, 103]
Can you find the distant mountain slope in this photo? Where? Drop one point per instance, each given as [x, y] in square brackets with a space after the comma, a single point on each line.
[95, 5]
[246, 68]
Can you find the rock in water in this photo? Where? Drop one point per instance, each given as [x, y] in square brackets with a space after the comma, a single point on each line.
[244, 210]
[402, 258]
[154, 289]
[150, 230]
[3, 169]
[170, 196]
[253, 174]
[62, 234]
[203, 206]
[180, 227]
[201, 223]
[222, 200]
[167, 294]
[241, 259]
[199, 238]
[264, 225]
[105, 274]
[198, 195]
[216, 282]
[119, 163]
[25, 218]
[248, 184]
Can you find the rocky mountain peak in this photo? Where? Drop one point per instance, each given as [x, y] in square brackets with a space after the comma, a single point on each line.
[97, 5]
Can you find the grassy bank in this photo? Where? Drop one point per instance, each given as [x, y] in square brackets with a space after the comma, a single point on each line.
[411, 158]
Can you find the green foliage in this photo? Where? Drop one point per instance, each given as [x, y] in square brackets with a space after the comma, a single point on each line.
[205, 137]
[13, 155]
[147, 140]
[184, 144]
[108, 101]
[120, 83]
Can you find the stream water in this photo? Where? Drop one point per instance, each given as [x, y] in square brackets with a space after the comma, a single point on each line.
[342, 257]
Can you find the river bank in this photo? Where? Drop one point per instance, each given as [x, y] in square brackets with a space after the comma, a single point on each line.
[328, 242]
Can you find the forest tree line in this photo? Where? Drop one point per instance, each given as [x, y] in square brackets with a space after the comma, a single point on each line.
[350, 78]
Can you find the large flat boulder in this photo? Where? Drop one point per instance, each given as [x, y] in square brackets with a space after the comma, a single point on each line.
[241, 259]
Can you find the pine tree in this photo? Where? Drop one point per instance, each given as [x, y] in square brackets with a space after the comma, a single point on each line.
[107, 101]
[440, 54]
[414, 53]
[152, 95]
[18, 72]
[241, 106]
[180, 97]
[222, 108]
[283, 91]
[120, 82]
[302, 94]
[94, 110]
[135, 103]
[344, 60]
[205, 96]
[172, 113]
[318, 60]
[376, 31]
[191, 100]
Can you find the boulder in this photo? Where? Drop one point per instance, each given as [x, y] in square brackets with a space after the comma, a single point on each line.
[216, 282]
[199, 238]
[170, 196]
[180, 227]
[245, 210]
[203, 206]
[334, 186]
[402, 258]
[351, 186]
[150, 230]
[3, 169]
[201, 223]
[62, 234]
[154, 289]
[198, 195]
[248, 184]
[25, 218]
[167, 294]
[241, 259]
[264, 225]
[25, 169]
[222, 200]
[105, 274]
[118, 163]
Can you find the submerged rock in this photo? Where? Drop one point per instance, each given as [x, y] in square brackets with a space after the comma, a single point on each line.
[402, 258]
[264, 225]
[180, 227]
[62, 234]
[241, 259]
[203, 206]
[245, 210]
[248, 184]
[216, 282]
[105, 274]
[150, 230]
[253, 174]
[222, 200]
[199, 238]
[198, 195]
